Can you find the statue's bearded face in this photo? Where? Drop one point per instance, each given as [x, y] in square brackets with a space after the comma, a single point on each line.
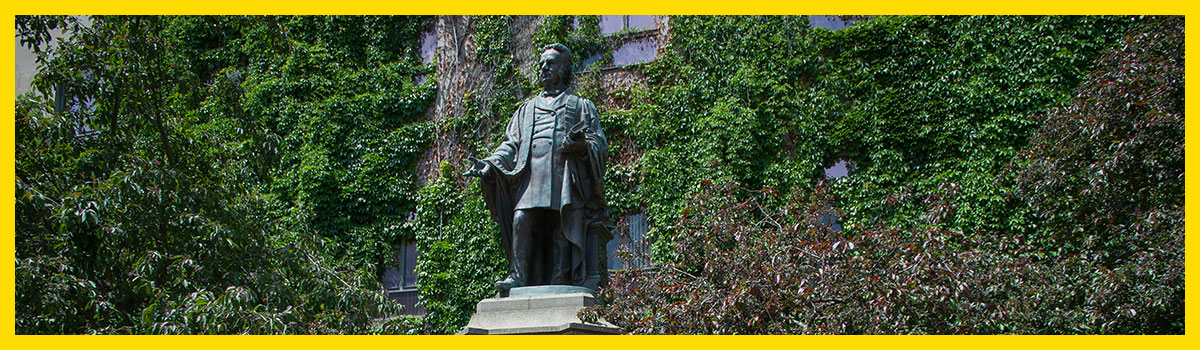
[552, 69]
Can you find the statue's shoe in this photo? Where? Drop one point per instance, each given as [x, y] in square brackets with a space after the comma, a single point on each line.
[508, 283]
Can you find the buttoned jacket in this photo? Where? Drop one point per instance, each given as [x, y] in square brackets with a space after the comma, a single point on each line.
[583, 171]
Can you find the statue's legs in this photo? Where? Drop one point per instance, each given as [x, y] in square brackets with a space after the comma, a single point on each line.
[522, 244]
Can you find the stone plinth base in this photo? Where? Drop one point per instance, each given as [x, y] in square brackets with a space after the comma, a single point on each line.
[536, 310]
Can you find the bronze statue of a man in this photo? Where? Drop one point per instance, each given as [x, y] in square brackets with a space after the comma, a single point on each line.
[544, 185]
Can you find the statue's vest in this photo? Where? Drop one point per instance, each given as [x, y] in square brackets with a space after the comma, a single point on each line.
[545, 127]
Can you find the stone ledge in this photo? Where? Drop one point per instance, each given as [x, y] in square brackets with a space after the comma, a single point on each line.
[535, 314]
[548, 290]
[575, 300]
[569, 329]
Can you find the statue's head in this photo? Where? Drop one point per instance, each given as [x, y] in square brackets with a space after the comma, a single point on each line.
[555, 70]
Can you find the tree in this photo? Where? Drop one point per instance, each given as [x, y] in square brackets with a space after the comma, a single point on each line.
[180, 214]
[1104, 178]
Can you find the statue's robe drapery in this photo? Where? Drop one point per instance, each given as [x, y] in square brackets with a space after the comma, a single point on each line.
[579, 177]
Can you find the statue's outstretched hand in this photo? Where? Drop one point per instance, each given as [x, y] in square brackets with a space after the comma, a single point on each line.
[478, 168]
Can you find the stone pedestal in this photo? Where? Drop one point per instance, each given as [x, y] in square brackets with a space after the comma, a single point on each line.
[537, 310]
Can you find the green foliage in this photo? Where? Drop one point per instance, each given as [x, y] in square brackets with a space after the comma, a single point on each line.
[954, 223]
[246, 176]
[927, 101]
[1104, 175]
[460, 252]
[491, 36]
[1106, 170]
[348, 117]
[579, 33]
[916, 102]
[725, 102]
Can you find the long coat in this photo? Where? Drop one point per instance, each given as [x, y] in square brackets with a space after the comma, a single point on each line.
[582, 182]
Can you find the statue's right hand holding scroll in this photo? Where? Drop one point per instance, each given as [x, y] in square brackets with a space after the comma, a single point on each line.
[577, 139]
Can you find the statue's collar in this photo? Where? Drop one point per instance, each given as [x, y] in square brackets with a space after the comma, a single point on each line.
[551, 100]
[555, 93]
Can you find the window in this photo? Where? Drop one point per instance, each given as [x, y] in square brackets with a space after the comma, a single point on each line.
[80, 107]
[428, 48]
[840, 168]
[428, 45]
[635, 38]
[401, 281]
[636, 51]
[836, 22]
[633, 241]
[616, 24]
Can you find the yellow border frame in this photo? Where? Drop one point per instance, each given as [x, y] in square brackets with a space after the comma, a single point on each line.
[1074, 7]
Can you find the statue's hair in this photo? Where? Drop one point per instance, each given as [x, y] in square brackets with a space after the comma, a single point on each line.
[566, 52]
